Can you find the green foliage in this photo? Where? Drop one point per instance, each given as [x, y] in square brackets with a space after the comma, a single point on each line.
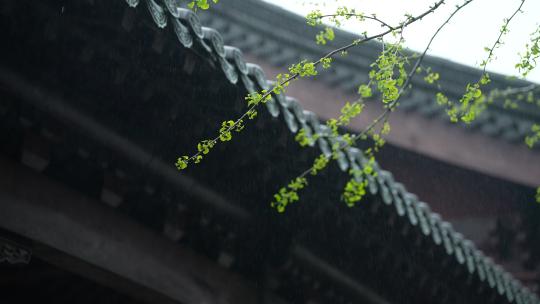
[441, 99]
[319, 164]
[365, 91]
[303, 139]
[471, 102]
[527, 61]
[348, 112]
[355, 189]
[324, 36]
[354, 192]
[282, 82]
[537, 196]
[225, 133]
[288, 195]
[326, 62]
[431, 78]
[202, 4]
[388, 72]
[348, 13]
[533, 138]
[332, 123]
[251, 114]
[470, 105]
[349, 139]
[314, 18]
[239, 125]
[182, 162]
[197, 158]
[378, 141]
[254, 98]
[304, 69]
[386, 128]
[205, 146]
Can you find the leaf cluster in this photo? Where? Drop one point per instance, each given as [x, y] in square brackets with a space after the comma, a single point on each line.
[527, 61]
[202, 4]
[288, 195]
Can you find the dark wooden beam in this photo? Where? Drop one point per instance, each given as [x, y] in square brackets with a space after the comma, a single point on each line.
[63, 111]
[90, 238]
[360, 291]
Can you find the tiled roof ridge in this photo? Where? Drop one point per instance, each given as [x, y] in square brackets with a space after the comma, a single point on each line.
[277, 47]
[189, 31]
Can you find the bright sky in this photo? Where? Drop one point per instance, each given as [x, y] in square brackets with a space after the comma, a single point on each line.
[463, 40]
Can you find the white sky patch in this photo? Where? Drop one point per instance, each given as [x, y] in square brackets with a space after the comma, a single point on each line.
[463, 40]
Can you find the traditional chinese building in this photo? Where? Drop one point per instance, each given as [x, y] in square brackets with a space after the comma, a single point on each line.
[98, 99]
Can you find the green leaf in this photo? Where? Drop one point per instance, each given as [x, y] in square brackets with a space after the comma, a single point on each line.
[182, 162]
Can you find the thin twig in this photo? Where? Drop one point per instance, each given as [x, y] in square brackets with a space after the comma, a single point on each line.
[359, 15]
[501, 33]
[366, 39]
